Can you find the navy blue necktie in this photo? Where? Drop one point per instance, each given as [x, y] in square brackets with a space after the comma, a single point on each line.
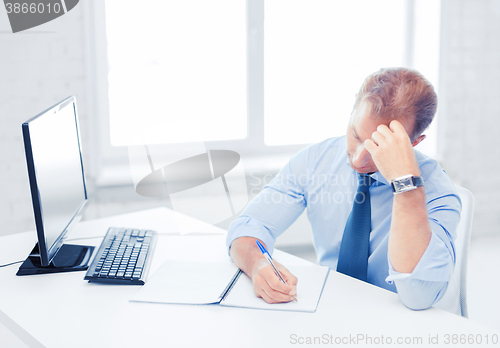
[354, 248]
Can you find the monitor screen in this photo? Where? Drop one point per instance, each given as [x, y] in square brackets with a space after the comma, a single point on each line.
[55, 168]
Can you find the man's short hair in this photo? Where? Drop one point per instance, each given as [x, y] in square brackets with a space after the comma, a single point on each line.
[399, 93]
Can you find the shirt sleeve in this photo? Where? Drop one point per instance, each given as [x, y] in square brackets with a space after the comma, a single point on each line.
[429, 280]
[276, 207]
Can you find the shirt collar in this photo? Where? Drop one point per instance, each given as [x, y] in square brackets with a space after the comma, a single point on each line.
[377, 176]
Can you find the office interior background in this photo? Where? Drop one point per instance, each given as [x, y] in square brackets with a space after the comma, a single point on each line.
[221, 74]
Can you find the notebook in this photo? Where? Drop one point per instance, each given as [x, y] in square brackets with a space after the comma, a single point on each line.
[203, 283]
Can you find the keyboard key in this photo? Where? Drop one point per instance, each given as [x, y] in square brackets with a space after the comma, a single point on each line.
[141, 260]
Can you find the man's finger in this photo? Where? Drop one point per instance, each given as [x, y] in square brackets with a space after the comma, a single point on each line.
[396, 126]
[267, 298]
[275, 282]
[370, 146]
[275, 296]
[262, 294]
[378, 138]
[384, 130]
[289, 277]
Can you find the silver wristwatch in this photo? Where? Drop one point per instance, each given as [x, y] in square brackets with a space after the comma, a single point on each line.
[406, 183]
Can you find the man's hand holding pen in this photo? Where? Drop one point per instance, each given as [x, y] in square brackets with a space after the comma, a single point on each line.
[266, 284]
[269, 287]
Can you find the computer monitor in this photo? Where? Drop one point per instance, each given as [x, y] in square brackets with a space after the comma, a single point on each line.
[58, 191]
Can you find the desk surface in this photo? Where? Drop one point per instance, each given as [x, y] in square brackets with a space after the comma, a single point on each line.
[63, 310]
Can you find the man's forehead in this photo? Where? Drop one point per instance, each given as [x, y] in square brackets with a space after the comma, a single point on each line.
[365, 122]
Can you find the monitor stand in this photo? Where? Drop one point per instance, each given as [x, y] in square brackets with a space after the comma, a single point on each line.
[69, 258]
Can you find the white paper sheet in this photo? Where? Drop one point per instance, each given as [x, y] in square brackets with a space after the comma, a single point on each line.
[186, 282]
[311, 280]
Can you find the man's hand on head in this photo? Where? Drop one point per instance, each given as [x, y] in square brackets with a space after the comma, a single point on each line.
[392, 151]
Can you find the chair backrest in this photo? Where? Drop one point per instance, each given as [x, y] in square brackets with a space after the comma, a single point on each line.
[455, 298]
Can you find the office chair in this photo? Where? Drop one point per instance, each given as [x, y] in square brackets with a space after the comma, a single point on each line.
[455, 298]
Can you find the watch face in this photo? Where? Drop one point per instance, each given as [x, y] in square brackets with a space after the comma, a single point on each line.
[402, 185]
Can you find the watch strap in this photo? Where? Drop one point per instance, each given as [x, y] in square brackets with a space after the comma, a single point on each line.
[416, 181]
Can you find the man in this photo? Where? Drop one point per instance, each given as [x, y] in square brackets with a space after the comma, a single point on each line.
[397, 238]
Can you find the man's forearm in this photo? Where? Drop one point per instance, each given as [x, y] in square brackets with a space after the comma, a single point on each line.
[245, 254]
[410, 232]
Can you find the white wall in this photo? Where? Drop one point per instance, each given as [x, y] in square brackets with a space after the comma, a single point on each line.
[38, 68]
[469, 104]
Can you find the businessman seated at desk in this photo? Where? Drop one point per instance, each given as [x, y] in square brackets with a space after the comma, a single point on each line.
[380, 211]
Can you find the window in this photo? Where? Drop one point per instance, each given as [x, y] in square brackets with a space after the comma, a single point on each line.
[177, 71]
[258, 77]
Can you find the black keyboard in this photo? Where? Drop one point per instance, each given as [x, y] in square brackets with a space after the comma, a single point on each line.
[123, 257]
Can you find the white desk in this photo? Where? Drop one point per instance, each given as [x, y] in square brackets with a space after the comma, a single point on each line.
[63, 310]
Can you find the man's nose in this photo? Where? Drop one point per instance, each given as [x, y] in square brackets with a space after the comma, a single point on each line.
[362, 157]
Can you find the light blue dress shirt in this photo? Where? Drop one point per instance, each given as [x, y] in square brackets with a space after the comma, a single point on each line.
[320, 179]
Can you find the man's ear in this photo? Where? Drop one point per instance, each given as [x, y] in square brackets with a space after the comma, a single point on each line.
[419, 140]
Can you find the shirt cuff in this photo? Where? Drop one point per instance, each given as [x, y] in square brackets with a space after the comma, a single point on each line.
[245, 226]
[436, 264]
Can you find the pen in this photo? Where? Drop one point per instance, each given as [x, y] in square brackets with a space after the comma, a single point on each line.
[270, 260]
